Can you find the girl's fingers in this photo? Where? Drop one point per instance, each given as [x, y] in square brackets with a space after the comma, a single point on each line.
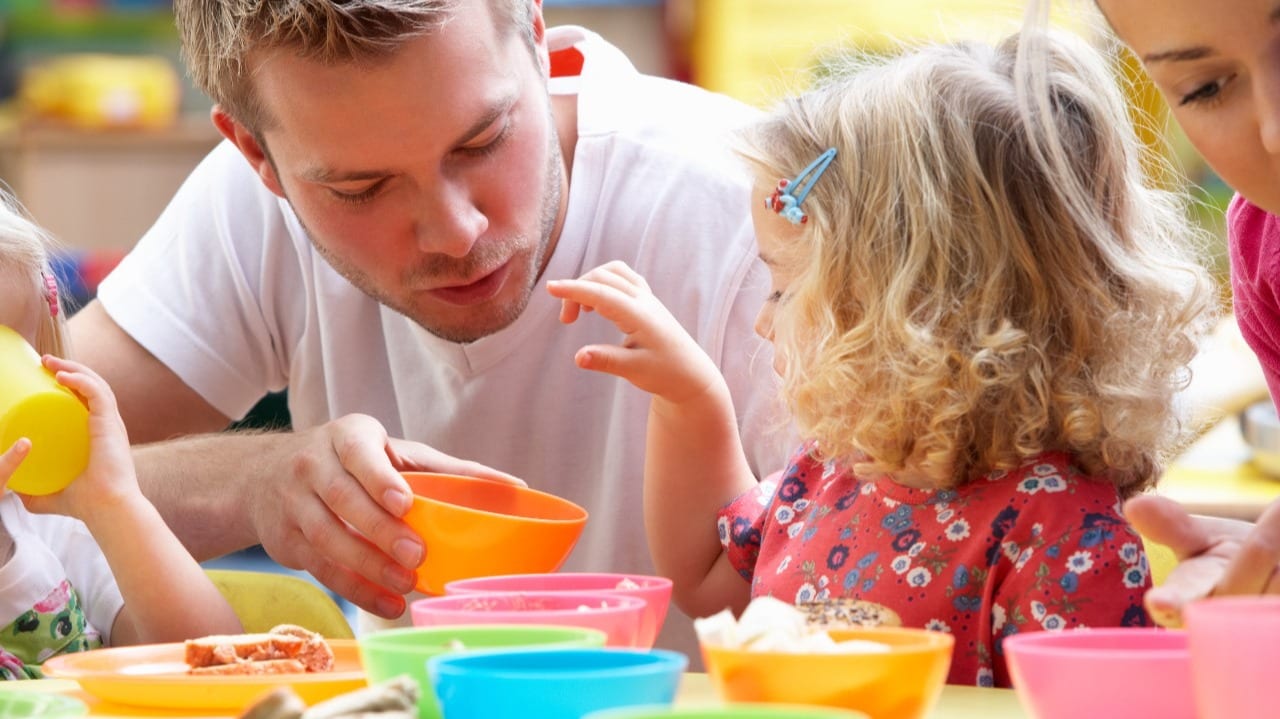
[13, 457]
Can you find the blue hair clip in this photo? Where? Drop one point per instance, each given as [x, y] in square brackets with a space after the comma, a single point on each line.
[787, 203]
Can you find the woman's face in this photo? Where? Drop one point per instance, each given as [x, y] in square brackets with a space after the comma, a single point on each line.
[1218, 65]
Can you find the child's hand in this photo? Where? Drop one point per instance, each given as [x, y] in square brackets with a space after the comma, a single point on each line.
[109, 478]
[12, 459]
[657, 355]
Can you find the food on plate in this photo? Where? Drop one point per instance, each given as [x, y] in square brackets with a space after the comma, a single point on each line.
[395, 698]
[847, 613]
[772, 625]
[284, 649]
[627, 583]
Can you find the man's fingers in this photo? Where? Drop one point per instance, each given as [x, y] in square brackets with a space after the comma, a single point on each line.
[415, 456]
[1166, 522]
[353, 531]
[360, 444]
[360, 592]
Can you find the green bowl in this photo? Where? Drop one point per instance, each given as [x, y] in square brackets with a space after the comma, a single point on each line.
[21, 703]
[729, 711]
[397, 652]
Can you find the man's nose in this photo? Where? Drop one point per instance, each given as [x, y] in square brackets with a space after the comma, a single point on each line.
[450, 222]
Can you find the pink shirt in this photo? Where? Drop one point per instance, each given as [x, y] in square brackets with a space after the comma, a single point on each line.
[1043, 547]
[1253, 244]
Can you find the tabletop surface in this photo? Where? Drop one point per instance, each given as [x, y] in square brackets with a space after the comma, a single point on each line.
[957, 702]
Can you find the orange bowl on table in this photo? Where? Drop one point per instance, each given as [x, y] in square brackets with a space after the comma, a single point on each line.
[901, 683]
[481, 527]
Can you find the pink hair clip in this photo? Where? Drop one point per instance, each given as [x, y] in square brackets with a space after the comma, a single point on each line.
[785, 202]
[51, 293]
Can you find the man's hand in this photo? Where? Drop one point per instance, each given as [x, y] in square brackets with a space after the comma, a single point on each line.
[335, 512]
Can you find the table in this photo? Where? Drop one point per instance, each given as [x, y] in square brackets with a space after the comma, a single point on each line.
[957, 702]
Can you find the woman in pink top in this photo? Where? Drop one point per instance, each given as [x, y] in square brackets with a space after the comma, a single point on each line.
[981, 316]
[1218, 65]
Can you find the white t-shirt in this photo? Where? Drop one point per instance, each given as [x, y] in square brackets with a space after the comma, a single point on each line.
[49, 548]
[227, 291]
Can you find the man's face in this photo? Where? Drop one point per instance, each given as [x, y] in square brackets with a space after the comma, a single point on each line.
[432, 180]
[1218, 65]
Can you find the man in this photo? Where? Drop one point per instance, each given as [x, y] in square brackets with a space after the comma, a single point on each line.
[396, 188]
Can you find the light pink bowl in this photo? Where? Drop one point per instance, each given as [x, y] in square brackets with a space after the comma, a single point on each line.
[618, 616]
[655, 591]
[1235, 649]
[1118, 672]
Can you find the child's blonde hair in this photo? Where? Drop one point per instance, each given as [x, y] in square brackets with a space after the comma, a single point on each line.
[24, 253]
[983, 276]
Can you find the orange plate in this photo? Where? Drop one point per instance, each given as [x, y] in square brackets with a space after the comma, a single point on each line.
[154, 675]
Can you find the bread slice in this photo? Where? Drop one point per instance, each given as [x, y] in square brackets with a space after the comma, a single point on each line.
[301, 650]
[845, 613]
[269, 666]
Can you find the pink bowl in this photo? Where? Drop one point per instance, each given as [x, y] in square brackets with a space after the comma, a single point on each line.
[655, 591]
[616, 615]
[1235, 648]
[1117, 672]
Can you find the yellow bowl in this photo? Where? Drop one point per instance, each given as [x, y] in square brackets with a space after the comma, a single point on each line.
[481, 527]
[903, 683]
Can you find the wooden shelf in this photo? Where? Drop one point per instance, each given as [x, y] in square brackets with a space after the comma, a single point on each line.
[100, 189]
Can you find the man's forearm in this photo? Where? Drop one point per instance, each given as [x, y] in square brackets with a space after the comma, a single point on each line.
[201, 486]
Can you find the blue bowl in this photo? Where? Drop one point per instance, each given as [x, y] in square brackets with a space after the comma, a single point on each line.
[553, 683]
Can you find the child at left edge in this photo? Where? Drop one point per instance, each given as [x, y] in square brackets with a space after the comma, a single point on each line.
[94, 564]
[981, 315]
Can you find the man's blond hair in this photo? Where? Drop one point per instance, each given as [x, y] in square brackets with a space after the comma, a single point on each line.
[218, 36]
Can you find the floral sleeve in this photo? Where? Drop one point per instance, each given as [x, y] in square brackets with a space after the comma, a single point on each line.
[741, 524]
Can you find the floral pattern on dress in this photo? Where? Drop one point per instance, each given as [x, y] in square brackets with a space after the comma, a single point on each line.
[1042, 547]
[54, 625]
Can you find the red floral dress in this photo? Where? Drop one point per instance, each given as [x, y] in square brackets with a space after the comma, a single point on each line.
[1043, 547]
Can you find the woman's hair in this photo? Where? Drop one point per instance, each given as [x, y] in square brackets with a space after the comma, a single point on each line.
[24, 254]
[219, 35]
[984, 275]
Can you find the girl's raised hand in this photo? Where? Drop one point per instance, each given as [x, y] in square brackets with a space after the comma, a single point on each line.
[109, 476]
[656, 353]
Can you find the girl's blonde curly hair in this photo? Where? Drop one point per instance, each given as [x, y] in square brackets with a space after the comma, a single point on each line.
[984, 275]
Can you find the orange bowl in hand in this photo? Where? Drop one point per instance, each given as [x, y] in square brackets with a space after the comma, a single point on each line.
[481, 527]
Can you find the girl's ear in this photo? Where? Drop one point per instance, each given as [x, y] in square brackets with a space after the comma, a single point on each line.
[249, 146]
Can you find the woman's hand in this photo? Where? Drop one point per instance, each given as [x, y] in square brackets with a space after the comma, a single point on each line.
[1216, 556]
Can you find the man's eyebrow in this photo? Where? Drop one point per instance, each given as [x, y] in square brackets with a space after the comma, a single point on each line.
[1198, 52]
[495, 111]
[325, 175]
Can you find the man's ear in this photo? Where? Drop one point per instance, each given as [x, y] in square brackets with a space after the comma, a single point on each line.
[540, 37]
[249, 146]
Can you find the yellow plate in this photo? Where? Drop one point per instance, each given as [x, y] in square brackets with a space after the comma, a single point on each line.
[154, 675]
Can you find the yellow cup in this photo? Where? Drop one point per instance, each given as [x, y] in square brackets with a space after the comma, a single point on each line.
[35, 406]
